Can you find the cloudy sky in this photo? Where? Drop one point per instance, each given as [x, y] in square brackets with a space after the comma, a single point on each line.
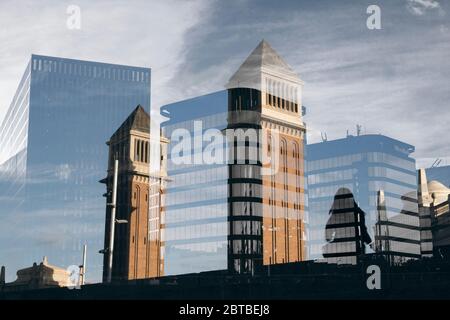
[392, 81]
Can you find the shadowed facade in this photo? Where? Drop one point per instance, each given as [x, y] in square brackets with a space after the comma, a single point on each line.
[138, 243]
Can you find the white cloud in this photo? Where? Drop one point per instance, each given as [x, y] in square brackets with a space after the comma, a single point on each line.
[420, 7]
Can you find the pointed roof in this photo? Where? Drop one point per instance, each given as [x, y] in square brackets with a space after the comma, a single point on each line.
[437, 187]
[262, 59]
[438, 192]
[138, 120]
[423, 194]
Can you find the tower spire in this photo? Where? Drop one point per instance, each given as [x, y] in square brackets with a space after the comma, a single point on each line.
[263, 59]
[424, 198]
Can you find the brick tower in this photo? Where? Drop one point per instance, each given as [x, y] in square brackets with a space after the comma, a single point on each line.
[138, 245]
[267, 211]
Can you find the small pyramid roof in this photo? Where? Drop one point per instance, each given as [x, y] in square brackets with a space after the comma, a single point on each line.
[138, 120]
[262, 59]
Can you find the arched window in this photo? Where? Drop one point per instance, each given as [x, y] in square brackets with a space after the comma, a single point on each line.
[295, 150]
[284, 154]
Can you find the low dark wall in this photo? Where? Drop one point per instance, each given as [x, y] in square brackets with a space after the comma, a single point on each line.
[422, 280]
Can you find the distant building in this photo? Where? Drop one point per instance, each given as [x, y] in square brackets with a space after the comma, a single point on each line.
[52, 156]
[425, 215]
[434, 201]
[138, 243]
[439, 173]
[379, 179]
[39, 276]
[228, 214]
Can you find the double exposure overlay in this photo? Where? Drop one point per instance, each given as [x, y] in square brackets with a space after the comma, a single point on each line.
[200, 150]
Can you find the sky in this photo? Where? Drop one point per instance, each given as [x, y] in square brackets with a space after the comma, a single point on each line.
[392, 81]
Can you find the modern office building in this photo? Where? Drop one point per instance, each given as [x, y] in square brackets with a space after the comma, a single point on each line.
[52, 155]
[440, 228]
[362, 193]
[39, 276]
[196, 221]
[434, 203]
[138, 245]
[424, 201]
[236, 210]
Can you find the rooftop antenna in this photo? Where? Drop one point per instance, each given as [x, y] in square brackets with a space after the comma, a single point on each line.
[324, 136]
[358, 130]
[436, 163]
[82, 278]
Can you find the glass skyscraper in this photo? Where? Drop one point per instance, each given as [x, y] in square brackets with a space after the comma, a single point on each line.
[52, 155]
[196, 225]
[362, 199]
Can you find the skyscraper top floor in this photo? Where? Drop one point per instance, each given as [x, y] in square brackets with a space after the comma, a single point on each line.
[90, 69]
[358, 144]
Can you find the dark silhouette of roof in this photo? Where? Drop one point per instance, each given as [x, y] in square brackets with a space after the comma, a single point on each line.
[138, 120]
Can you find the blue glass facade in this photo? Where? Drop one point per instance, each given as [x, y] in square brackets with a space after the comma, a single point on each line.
[362, 195]
[196, 226]
[440, 173]
[63, 113]
[215, 212]
[13, 146]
